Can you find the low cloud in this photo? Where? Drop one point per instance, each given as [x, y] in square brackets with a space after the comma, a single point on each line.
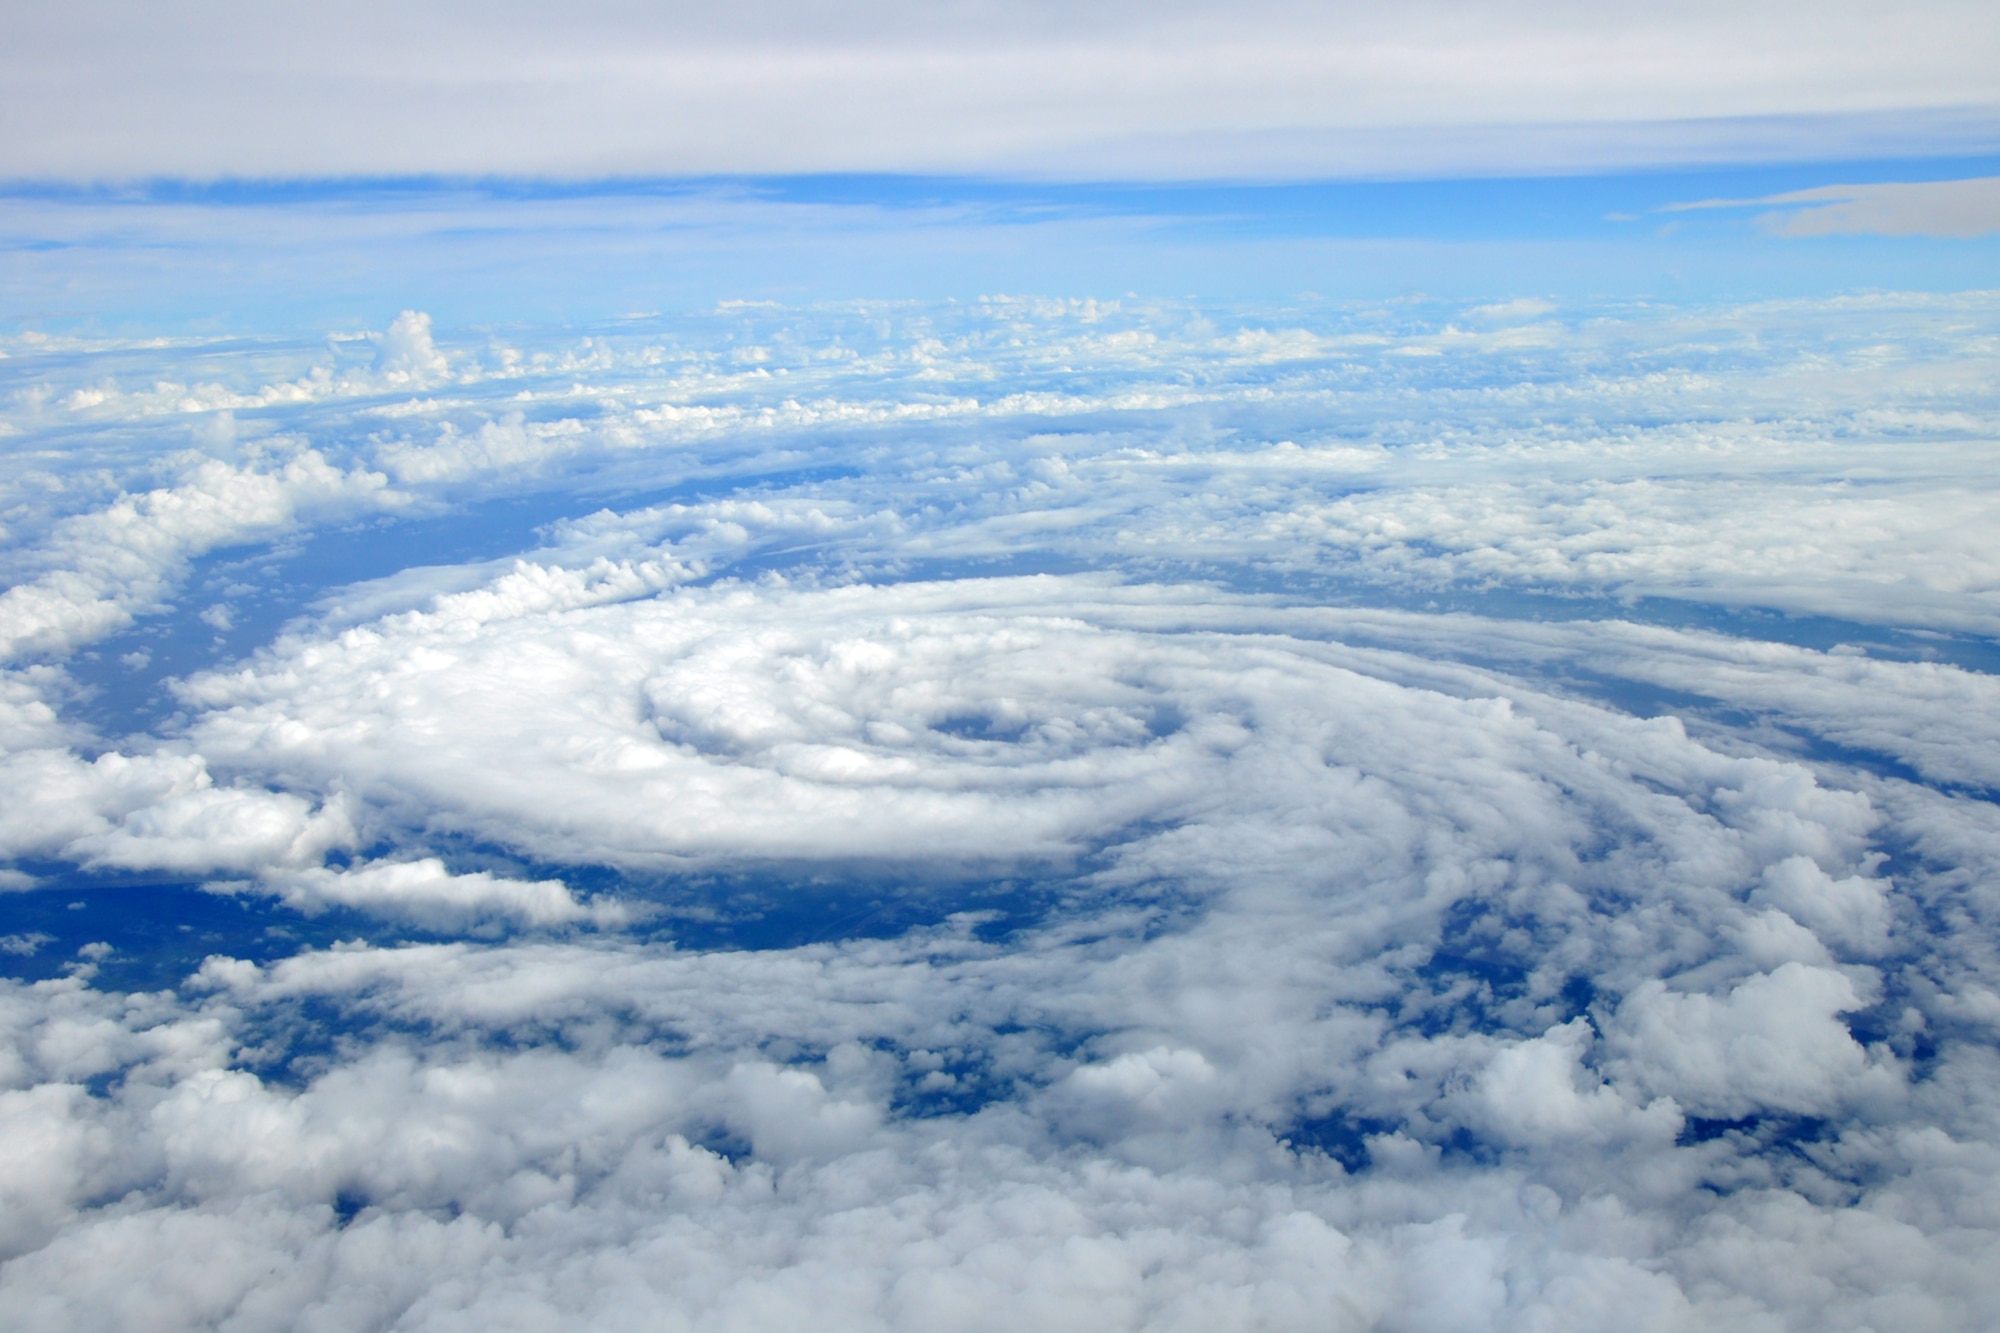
[425, 893]
[1447, 868]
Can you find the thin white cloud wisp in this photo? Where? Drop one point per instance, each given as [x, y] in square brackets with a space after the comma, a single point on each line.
[1950, 209]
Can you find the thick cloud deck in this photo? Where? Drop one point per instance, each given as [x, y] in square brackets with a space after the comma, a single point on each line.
[1526, 869]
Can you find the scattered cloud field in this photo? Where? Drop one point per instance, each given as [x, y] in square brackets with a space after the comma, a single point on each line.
[1407, 816]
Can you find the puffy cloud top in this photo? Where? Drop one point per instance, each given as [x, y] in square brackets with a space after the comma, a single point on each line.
[1056, 813]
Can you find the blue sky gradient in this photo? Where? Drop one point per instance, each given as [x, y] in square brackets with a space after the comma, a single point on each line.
[292, 254]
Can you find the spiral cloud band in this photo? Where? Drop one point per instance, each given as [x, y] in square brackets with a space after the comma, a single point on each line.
[1017, 814]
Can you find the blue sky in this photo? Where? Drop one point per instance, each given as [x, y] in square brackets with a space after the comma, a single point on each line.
[247, 254]
[243, 166]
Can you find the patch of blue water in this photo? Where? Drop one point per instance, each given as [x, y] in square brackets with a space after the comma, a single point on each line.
[158, 931]
[144, 936]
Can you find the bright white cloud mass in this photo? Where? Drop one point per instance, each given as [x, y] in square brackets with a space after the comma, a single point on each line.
[1028, 813]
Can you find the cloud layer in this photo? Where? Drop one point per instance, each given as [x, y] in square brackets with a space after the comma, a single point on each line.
[1955, 209]
[1374, 818]
[1179, 90]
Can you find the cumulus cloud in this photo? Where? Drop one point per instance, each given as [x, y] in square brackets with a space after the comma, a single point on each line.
[1539, 1091]
[406, 355]
[102, 568]
[426, 893]
[1773, 1042]
[1287, 951]
[159, 810]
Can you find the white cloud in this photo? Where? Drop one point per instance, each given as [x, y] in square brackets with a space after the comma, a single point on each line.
[1926, 715]
[104, 567]
[406, 355]
[896, 86]
[157, 811]
[924, 721]
[1852, 913]
[1520, 308]
[1961, 209]
[1538, 1092]
[1361, 966]
[426, 893]
[1773, 1042]
[492, 1175]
